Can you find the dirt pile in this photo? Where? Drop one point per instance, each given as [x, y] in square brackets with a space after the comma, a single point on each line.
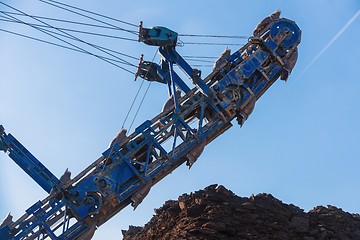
[217, 213]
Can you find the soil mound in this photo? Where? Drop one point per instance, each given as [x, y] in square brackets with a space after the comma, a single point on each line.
[217, 213]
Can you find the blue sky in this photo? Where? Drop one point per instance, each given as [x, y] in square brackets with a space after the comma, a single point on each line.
[300, 143]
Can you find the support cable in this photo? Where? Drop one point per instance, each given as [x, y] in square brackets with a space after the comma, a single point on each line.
[213, 36]
[212, 44]
[52, 3]
[70, 30]
[142, 100]
[199, 60]
[132, 104]
[199, 57]
[59, 45]
[42, 30]
[66, 36]
[77, 49]
[67, 21]
[94, 13]
[200, 65]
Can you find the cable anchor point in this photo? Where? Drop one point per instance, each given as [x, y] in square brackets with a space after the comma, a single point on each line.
[138, 66]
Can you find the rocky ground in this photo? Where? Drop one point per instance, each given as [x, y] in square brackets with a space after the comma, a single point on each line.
[217, 213]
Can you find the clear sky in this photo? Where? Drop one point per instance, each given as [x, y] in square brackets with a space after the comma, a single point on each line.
[301, 143]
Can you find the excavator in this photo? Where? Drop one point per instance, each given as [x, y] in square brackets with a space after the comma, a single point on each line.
[191, 119]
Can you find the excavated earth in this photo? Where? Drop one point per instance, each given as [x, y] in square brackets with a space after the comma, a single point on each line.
[217, 213]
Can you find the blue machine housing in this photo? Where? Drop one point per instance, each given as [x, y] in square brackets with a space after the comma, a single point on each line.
[126, 171]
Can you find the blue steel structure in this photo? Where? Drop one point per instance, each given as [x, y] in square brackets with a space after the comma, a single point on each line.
[127, 170]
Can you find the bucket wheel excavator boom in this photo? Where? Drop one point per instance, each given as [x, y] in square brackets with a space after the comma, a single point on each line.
[192, 118]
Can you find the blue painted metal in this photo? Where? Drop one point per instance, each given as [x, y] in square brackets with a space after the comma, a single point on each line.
[285, 28]
[157, 36]
[169, 54]
[125, 173]
[5, 232]
[28, 162]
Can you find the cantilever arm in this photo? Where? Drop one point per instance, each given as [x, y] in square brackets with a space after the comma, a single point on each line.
[28, 162]
[3, 146]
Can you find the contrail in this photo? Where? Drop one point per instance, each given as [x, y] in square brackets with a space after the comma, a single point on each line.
[330, 43]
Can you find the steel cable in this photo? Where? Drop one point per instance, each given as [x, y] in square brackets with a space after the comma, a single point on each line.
[58, 45]
[94, 19]
[68, 21]
[97, 14]
[71, 30]
[142, 100]
[104, 48]
[213, 36]
[42, 30]
[213, 44]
